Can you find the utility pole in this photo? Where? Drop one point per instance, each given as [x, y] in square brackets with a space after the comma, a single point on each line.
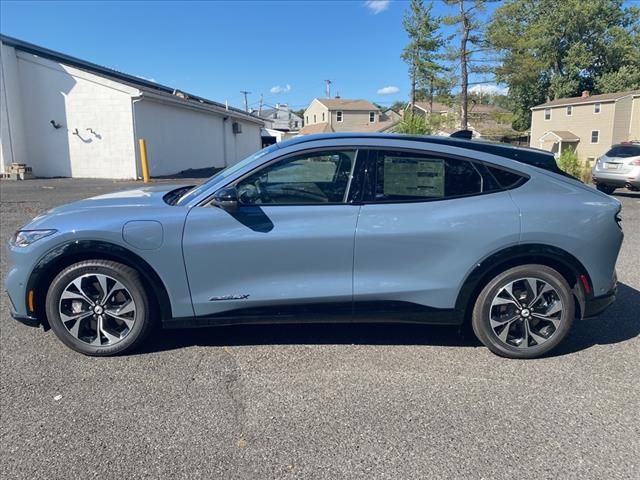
[246, 105]
[466, 28]
[260, 107]
[327, 87]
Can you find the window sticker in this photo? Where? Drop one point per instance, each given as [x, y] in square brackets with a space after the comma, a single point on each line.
[414, 177]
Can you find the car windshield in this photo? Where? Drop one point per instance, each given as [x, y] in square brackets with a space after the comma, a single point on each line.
[222, 174]
[624, 151]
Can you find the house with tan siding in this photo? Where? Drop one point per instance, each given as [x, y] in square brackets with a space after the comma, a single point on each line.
[342, 115]
[589, 124]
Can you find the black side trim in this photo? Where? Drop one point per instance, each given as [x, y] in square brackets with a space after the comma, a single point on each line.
[343, 312]
[569, 266]
[58, 258]
[596, 305]
[26, 319]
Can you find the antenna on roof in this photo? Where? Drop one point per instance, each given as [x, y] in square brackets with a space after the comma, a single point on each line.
[327, 88]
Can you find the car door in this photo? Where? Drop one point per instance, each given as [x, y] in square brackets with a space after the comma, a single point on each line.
[288, 247]
[427, 219]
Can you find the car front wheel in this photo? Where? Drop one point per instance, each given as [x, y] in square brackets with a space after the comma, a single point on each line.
[98, 308]
[524, 312]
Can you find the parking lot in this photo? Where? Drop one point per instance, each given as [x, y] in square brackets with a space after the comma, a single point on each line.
[319, 401]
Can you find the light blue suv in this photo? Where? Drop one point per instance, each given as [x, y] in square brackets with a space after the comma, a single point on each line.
[351, 227]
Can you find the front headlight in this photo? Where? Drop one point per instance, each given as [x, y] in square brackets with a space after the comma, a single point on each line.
[24, 238]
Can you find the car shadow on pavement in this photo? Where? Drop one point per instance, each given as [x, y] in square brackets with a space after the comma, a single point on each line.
[627, 194]
[621, 322]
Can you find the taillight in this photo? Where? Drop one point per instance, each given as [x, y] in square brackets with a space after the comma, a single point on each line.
[635, 162]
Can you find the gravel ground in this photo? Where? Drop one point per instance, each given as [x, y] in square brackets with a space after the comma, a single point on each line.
[320, 401]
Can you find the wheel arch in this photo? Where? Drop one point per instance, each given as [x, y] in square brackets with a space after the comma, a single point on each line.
[59, 258]
[560, 260]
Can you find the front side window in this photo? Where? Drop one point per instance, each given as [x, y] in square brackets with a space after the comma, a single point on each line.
[596, 108]
[339, 116]
[402, 176]
[311, 178]
[547, 114]
[595, 136]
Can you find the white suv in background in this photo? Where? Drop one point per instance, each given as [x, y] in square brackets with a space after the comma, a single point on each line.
[618, 168]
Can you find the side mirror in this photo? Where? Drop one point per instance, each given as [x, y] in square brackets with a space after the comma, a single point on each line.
[226, 199]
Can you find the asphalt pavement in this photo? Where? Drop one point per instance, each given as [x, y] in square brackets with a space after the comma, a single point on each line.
[319, 401]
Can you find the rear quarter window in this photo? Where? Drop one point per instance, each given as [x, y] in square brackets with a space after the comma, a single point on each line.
[505, 179]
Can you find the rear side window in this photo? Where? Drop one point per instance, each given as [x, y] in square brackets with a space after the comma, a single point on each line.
[624, 151]
[402, 176]
[504, 178]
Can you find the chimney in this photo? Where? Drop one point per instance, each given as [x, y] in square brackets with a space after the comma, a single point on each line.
[585, 93]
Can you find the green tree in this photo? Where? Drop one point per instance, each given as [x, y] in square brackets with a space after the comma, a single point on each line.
[422, 52]
[470, 29]
[557, 48]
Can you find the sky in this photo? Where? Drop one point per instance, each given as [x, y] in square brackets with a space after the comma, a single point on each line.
[283, 50]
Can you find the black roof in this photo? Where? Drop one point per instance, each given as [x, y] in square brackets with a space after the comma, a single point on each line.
[530, 156]
[111, 73]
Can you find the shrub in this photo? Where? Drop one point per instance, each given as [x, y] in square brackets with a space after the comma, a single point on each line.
[568, 162]
[413, 124]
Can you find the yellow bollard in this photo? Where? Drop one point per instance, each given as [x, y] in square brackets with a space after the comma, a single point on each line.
[144, 160]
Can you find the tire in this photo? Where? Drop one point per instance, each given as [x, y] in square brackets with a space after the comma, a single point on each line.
[76, 306]
[503, 321]
[604, 188]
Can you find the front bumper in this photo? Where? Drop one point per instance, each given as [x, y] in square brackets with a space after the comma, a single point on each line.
[26, 319]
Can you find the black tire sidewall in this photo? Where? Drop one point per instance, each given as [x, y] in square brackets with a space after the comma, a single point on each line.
[480, 319]
[127, 276]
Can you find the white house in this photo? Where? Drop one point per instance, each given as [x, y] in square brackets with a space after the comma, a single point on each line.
[65, 117]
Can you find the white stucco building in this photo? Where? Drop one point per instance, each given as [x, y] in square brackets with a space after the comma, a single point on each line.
[65, 117]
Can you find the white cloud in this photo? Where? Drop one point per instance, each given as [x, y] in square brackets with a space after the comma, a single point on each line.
[377, 6]
[489, 89]
[281, 89]
[390, 90]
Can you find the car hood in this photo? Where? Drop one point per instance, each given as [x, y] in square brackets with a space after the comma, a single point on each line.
[139, 197]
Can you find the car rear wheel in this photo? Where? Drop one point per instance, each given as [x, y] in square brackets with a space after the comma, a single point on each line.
[98, 308]
[524, 312]
[608, 189]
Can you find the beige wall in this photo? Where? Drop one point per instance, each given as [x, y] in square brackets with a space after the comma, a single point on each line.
[351, 120]
[634, 128]
[582, 121]
[621, 120]
[316, 108]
